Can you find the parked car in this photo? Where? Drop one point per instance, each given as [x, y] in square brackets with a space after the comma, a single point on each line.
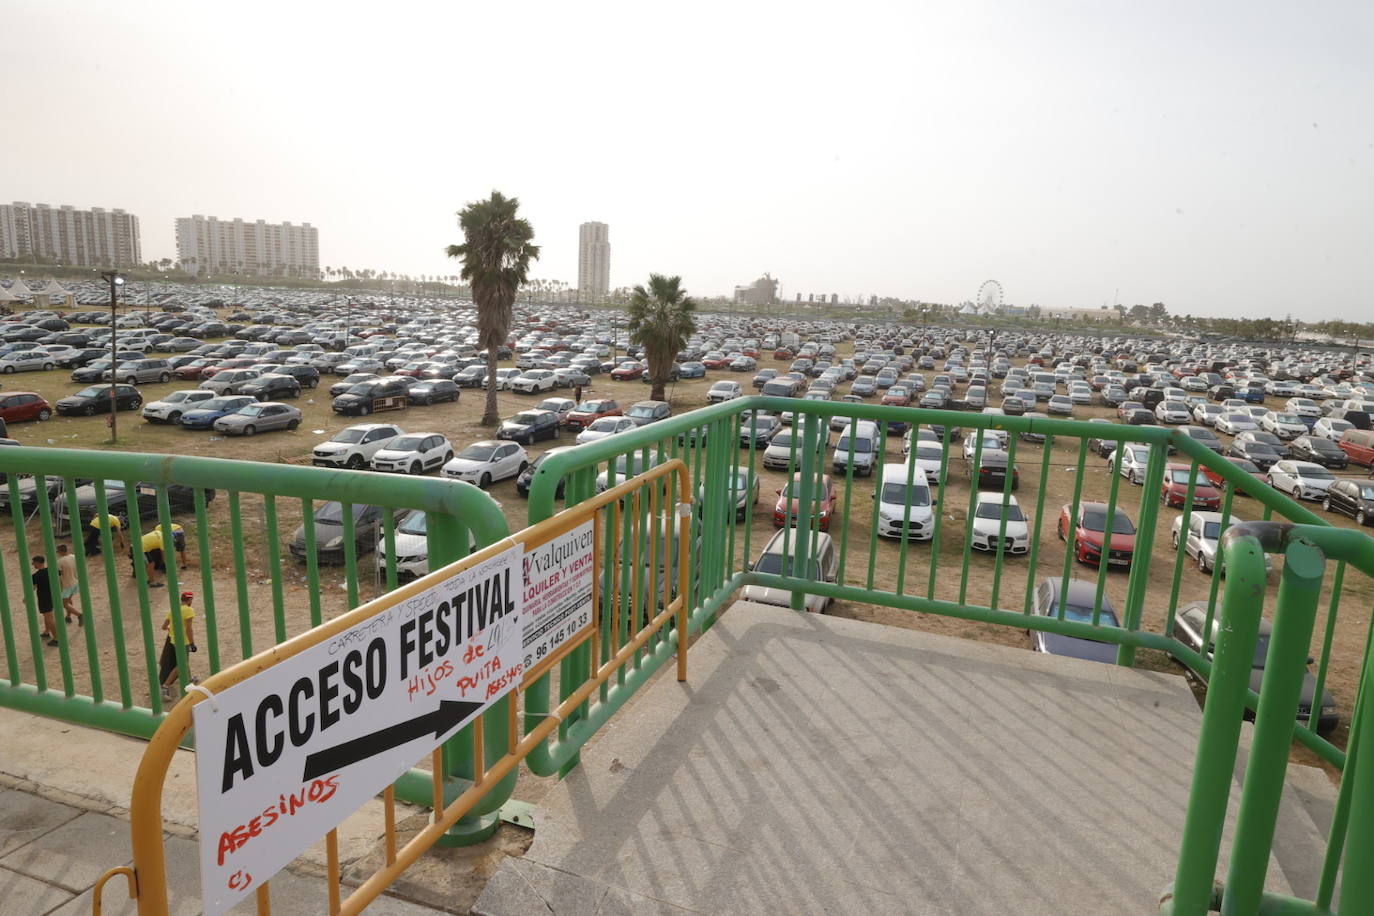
[1249, 467]
[781, 446]
[1284, 425]
[525, 479]
[27, 361]
[413, 453]
[1174, 489]
[562, 407]
[371, 396]
[272, 385]
[1300, 479]
[645, 412]
[789, 512]
[997, 521]
[502, 380]
[528, 426]
[17, 406]
[1173, 412]
[903, 503]
[604, 427]
[1089, 527]
[230, 381]
[590, 410]
[1261, 454]
[1359, 445]
[758, 429]
[203, 414]
[1190, 623]
[1351, 497]
[259, 418]
[1318, 451]
[96, 399]
[142, 371]
[433, 391]
[354, 446]
[533, 381]
[1204, 534]
[1076, 605]
[329, 532]
[1233, 423]
[724, 391]
[486, 462]
[774, 560]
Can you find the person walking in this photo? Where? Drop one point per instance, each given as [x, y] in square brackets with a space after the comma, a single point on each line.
[66, 579]
[167, 672]
[42, 590]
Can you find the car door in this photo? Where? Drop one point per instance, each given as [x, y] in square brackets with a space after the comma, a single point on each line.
[504, 462]
[1188, 627]
[1339, 495]
[1194, 543]
[433, 451]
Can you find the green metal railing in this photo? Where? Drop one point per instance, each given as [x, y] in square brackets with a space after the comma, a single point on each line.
[951, 580]
[253, 587]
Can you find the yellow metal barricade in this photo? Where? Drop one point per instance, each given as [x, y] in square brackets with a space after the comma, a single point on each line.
[147, 879]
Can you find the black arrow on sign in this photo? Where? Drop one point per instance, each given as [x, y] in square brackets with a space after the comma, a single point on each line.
[449, 714]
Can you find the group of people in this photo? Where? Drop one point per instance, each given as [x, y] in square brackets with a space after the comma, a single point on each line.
[153, 550]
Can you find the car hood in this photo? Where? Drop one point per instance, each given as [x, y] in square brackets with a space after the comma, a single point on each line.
[991, 526]
[407, 545]
[1118, 541]
[512, 427]
[233, 419]
[780, 597]
[459, 465]
[593, 435]
[394, 454]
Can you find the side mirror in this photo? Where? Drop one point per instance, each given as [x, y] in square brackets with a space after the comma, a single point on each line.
[778, 491]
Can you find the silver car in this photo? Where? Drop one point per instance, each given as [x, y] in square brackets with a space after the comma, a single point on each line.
[259, 418]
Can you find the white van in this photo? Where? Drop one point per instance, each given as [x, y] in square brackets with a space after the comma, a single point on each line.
[858, 446]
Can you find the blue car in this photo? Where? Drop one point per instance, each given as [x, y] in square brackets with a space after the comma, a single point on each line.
[692, 370]
[1251, 395]
[208, 412]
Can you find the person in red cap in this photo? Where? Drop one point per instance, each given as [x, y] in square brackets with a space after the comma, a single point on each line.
[168, 674]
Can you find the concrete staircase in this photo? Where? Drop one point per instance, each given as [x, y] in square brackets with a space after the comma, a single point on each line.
[820, 765]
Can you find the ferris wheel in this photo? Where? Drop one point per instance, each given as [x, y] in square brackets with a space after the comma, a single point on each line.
[990, 294]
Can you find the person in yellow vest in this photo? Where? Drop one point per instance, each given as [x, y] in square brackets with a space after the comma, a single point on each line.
[155, 547]
[96, 525]
[167, 672]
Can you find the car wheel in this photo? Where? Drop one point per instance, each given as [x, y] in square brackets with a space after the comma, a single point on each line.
[9, 370]
[354, 461]
[47, 366]
[1326, 503]
[165, 377]
[558, 432]
[485, 481]
[1202, 564]
[249, 430]
[364, 410]
[1175, 540]
[416, 467]
[44, 414]
[174, 417]
[136, 403]
[1361, 517]
[523, 465]
[293, 424]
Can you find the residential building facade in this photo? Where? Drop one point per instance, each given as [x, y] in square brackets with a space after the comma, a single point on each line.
[70, 237]
[593, 262]
[209, 245]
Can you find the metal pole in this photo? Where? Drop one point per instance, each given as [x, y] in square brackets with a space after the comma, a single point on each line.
[112, 277]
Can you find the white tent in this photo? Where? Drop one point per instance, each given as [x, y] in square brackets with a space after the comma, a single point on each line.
[20, 290]
[7, 296]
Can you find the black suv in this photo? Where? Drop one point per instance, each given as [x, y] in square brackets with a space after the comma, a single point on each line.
[1351, 497]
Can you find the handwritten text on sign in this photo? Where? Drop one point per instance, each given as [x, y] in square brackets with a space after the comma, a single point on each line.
[558, 593]
[286, 755]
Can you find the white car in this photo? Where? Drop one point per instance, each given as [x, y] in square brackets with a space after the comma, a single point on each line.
[504, 379]
[412, 547]
[1204, 531]
[26, 361]
[1303, 407]
[1235, 423]
[1300, 479]
[354, 446]
[413, 453]
[1130, 460]
[1331, 428]
[825, 568]
[1172, 412]
[604, 427]
[1207, 414]
[724, 391]
[904, 507]
[930, 457]
[988, 512]
[229, 381]
[532, 381]
[170, 408]
[487, 461]
[1283, 425]
[560, 406]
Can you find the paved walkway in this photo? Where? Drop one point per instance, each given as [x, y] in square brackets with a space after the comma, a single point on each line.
[821, 765]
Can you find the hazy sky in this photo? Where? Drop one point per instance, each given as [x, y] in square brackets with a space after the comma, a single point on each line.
[1218, 157]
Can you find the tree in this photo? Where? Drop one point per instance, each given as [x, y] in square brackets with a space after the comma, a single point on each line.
[496, 252]
[660, 319]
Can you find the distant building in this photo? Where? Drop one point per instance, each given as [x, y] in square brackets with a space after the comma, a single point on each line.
[834, 298]
[79, 238]
[593, 261]
[763, 291]
[210, 245]
[1080, 314]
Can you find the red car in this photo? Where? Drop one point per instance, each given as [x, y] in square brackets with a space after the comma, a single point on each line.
[1174, 490]
[715, 360]
[627, 372]
[241, 362]
[1089, 532]
[1244, 464]
[786, 510]
[23, 405]
[783, 353]
[192, 370]
[897, 395]
[583, 414]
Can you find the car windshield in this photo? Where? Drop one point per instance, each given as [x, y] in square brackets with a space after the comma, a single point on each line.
[641, 411]
[349, 436]
[218, 403]
[1079, 614]
[1286, 418]
[478, 452]
[1179, 475]
[176, 397]
[525, 419]
[994, 510]
[1366, 491]
[897, 493]
[773, 563]
[414, 523]
[930, 452]
[252, 410]
[94, 391]
[405, 443]
[331, 513]
[1316, 473]
[861, 444]
[1096, 520]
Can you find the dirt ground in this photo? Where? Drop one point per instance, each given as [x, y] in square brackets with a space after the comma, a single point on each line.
[245, 621]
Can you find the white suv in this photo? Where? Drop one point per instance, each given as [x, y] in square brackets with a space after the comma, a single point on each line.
[170, 408]
[354, 446]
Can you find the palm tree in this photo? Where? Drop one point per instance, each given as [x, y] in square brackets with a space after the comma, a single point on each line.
[497, 250]
[660, 319]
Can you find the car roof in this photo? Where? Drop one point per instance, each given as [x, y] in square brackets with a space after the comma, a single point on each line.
[776, 543]
[896, 472]
[1082, 592]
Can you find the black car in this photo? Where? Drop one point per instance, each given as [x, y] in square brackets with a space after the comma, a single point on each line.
[471, 377]
[374, 394]
[1221, 393]
[529, 426]
[1319, 451]
[94, 370]
[1351, 497]
[307, 376]
[1260, 454]
[272, 387]
[763, 376]
[1141, 416]
[1189, 625]
[1203, 436]
[329, 532]
[96, 399]
[433, 391]
[349, 381]
[526, 477]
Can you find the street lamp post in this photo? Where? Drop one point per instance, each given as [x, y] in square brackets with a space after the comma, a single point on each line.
[116, 280]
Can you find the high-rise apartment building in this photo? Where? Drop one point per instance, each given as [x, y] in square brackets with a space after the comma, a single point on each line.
[209, 245]
[68, 236]
[593, 262]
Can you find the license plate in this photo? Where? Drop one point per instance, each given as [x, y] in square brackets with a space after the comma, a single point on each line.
[1118, 562]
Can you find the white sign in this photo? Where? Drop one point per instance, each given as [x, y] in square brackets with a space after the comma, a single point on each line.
[285, 756]
[557, 595]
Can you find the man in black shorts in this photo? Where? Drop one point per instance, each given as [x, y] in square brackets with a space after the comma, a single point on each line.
[42, 590]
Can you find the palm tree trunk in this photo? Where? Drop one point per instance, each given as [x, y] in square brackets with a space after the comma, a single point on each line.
[658, 391]
[491, 417]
